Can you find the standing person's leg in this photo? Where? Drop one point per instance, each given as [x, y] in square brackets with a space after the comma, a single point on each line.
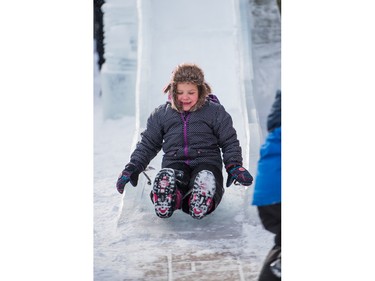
[205, 190]
[270, 216]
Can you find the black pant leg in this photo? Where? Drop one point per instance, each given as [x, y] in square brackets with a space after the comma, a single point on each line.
[270, 216]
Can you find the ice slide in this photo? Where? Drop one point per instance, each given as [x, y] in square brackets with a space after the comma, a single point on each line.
[213, 34]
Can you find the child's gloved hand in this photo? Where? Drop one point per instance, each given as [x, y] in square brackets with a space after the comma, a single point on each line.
[130, 173]
[238, 174]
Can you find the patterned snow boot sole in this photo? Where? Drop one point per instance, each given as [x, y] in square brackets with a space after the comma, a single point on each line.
[202, 195]
[164, 193]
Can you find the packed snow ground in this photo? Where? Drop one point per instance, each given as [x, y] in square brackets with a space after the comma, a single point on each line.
[131, 243]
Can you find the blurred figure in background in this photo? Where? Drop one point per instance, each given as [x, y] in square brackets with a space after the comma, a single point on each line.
[267, 190]
[98, 31]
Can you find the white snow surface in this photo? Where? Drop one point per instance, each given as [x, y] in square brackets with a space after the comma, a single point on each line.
[130, 241]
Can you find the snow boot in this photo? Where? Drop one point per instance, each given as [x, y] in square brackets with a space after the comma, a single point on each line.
[165, 195]
[275, 266]
[271, 269]
[201, 198]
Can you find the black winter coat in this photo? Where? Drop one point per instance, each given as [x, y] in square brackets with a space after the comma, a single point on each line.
[191, 137]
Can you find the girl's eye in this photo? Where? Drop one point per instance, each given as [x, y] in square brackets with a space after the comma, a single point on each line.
[179, 93]
[191, 93]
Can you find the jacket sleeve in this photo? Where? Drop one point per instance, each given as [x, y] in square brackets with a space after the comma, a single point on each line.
[227, 136]
[150, 143]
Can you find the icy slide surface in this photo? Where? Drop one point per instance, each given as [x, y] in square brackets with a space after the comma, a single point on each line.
[226, 244]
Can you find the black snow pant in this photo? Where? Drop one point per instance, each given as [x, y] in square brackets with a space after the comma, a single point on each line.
[186, 184]
[270, 215]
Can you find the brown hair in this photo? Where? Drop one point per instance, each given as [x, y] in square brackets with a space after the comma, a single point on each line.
[190, 73]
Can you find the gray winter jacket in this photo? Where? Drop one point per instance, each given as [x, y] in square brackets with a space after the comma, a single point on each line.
[191, 137]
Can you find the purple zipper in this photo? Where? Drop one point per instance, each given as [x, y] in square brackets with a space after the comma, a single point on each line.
[185, 119]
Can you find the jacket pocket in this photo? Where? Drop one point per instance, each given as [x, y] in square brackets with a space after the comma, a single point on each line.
[172, 153]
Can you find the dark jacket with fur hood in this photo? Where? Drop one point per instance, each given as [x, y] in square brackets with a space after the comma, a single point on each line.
[189, 137]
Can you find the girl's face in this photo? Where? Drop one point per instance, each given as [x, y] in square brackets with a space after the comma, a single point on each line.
[187, 95]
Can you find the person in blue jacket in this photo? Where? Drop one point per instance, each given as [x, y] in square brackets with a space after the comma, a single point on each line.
[267, 190]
